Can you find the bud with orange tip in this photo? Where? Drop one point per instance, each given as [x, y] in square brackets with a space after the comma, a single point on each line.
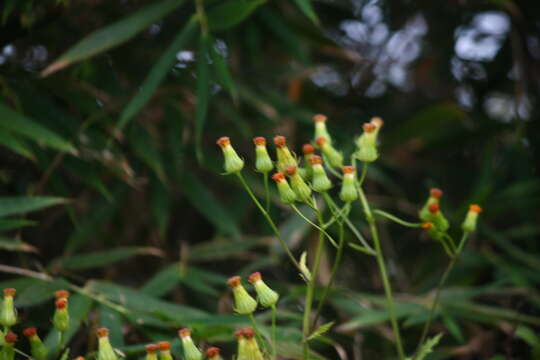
[8, 314]
[38, 349]
[8, 348]
[320, 127]
[151, 351]
[266, 296]
[244, 303]
[366, 144]
[309, 152]
[349, 192]
[434, 198]
[105, 349]
[61, 315]
[437, 217]
[165, 350]
[299, 186]
[469, 224]
[334, 157]
[61, 294]
[191, 352]
[287, 195]
[263, 162]
[320, 181]
[213, 353]
[284, 156]
[233, 162]
[251, 349]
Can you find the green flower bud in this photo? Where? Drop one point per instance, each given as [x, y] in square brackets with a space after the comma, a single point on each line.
[349, 192]
[267, 297]
[8, 351]
[165, 350]
[251, 348]
[287, 195]
[320, 182]
[191, 352]
[437, 218]
[469, 224]
[309, 152]
[320, 127]
[334, 157]
[1, 340]
[213, 353]
[244, 303]
[263, 163]
[283, 154]
[299, 186]
[61, 315]
[433, 232]
[151, 352]
[233, 163]
[434, 198]
[8, 313]
[366, 144]
[38, 349]
[105, 349]
[241, 351]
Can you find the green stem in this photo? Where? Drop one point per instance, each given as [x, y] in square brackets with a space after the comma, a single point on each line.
[363, 174]
[396, 219]
[384, 274]
[269, 219]
[266, 192]
[311, 289]
[257, 332]
[199, 7]
[339, 214]
[274, 339]
[332, 241]
[442, 281]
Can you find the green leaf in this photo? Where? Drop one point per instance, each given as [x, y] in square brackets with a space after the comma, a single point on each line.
[161, 206]
[112, 320]
[17, 123]
[113, 35]
[202, 93]
[24, 204]
[39, 291]
[146, 149]
[15, 245]
[307, 9]
[321, 330]
[222, 70]
[157, 74]
[103, 258]
[222, 249]
[427, 347]
[231, 13]
[205, 202]
[10, 224]
[15, 145]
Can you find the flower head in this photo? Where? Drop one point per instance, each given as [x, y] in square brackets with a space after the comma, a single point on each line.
[151, 351]
[8, 314]
[191, 352]
[267, 297]
[165, 350]
[287, 195]
[469, 224]
[61, 294]
[283, 154]
[349, 192]
[213, 353]
[243, 302]
[105, 349]
[320, 127]
[263, 162]
[251, 349]
[334, 157]
[299, 186]
[435, 195]
[366, 144]
[320, 181]
[233, 163]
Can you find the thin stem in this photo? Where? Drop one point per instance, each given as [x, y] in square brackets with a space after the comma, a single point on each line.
[269, 219]
[396, 219]
[274, 339]
[311, 288]
[451, 243]
[266, 192]
[363, 174]
[337, 215]
[384, 274]
[332, 241]
[257, 332]
[442, 281]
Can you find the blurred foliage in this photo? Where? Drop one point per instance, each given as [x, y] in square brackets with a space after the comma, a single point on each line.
[110, 178]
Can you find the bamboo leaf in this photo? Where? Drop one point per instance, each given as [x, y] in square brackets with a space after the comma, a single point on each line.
[307, 9]
[202, 92]
[231, 13]
[113, 35]
[24, 204]
[15, 245]
[103, 258]
[15, 145]
[10, 224]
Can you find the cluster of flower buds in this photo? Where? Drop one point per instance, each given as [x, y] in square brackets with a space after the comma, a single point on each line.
[61, 315]
[38, 349]
[248, 349]
[366, 144]
[244, 303]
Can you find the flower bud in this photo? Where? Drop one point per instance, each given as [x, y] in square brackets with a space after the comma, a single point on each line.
[266, 296]
[165, 350]
[8, 313]
[105, 349]
[434, 198]
[283, 154]
[8, 351]
[320, 127]
[38, 349]
[469, 224]
[61, 294]
[366, 144]
[320, 181]
[349, 192]
[309, 152]
[299, 186]
[191, 352]
[213, 353]
[252, 351]
[432, 231]
[263, 163]
[233, 163]
[61, 315]
[438, 218]
[286, 194]
[244, 303]
[241, 350]
[151, 351]
[334, 157]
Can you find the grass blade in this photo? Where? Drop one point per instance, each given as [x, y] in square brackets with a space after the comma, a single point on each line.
[231, 13]
[307, 9]
[222, 71]
[203, 92]
[24, 204]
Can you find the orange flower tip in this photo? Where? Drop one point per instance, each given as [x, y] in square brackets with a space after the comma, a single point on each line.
[278, 177]
[10, 338]
[29, 332]
[151, 348]
[475, 208]
[234, 281]
[61, 294]
[436, 193]
[10, 292]
[259, 141]
[212, 352]
[433, 208]
[321, 140]
[348, 170]
[61, 303]
[319, 118]
[239, 333]
[369, 127]
[185, 332]
[164, 346]
[102, 332]
[223, 141]
[427, 225]
[280, 141]
[248, 333]
[308, 149]
[377, 121]
[291, 170]
[315, 160]
[79, 358]
[253, 278]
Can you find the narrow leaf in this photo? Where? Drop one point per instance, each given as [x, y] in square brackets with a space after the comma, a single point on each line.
[113, 35]
[427, 347]
[231, 13]
[10, 224]
[103, 258]
[24, 204]
[222, 71]
[15, 145]
[15, 245]
[203, 92]
[321, 330]
[307, 9]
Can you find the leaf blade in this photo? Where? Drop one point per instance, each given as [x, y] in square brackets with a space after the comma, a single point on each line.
[22, 204]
